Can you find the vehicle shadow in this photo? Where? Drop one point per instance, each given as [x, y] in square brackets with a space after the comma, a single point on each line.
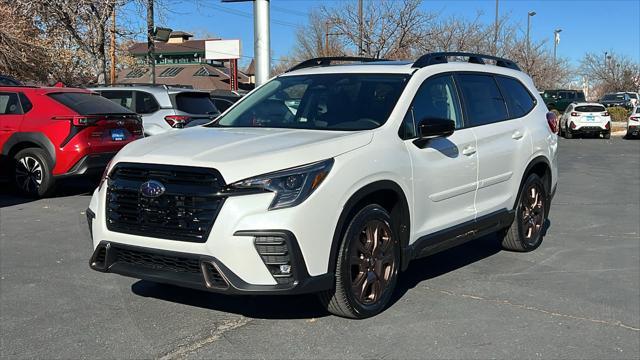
[64, 188]
[308, 306]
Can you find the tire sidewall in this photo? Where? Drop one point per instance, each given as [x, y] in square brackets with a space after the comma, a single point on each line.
[531, 180]
[369, 212]
[47, 177]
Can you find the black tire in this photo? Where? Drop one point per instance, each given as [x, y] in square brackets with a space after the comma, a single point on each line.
[342, 300]
[607, 135]
[527, 230]
[568, 134]
[32, 173]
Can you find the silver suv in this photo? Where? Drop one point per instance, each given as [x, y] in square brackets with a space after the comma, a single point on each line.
[163, 107]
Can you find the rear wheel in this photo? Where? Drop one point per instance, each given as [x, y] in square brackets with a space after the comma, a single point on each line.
[525, 233]
[32, 173]
[607, 135]
[567, 133]
[367, 266]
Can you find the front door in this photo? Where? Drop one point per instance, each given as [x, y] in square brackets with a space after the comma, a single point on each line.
[444, 168]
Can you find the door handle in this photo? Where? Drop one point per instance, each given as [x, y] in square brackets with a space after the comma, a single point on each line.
[517, 135]
[469, 150]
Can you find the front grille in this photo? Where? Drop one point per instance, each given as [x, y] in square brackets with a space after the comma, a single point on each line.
[156, 261]
[186, 211]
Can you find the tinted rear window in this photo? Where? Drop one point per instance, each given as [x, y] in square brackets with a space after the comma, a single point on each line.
[633, 95]
[482, 99]
[88, 104]
[519, 100]
[590, 108]
[613, 97]
[195, 103]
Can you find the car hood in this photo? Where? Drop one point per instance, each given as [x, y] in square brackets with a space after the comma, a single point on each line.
[239, 153]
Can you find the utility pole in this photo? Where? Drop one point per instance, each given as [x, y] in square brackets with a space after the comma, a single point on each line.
[495, 35]
[150, 44]
[360, 28]
[326, 38]
[112, 75]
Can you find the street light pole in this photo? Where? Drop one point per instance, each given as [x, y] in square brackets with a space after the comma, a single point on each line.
[360, 28]
[556, 40]
[530, 14]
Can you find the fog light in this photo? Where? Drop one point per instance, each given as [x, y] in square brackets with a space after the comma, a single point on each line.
[285, 269]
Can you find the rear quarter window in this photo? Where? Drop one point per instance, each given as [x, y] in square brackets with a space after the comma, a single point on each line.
[195, 103]
[88, 103]
[518, 98]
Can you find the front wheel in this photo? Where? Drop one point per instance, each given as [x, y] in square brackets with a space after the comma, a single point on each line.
[32, 173]
[367, 266]
[526, 231]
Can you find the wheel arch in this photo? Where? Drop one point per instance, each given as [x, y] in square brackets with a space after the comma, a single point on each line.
[20, 141]
[385, 193]
[540, 166]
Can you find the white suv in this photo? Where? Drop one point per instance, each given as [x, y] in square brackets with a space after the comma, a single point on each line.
[585, 119]
[163, 108]
[378, 163]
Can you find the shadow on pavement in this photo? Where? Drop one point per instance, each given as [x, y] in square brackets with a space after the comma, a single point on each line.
[66, 187]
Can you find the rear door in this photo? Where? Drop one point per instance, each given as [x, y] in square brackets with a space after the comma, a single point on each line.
[11, 115]
[504, 144]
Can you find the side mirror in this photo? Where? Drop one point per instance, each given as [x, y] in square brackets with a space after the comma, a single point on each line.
[435, 127]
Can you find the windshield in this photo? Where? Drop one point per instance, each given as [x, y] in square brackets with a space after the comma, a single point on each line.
[590, 108]
[633, 95]
[195, 103]
[319, 102]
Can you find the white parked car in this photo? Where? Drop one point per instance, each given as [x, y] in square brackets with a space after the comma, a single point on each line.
[634, 98]
[633, 123]
[378, 164]
[585, 119]
[163, 108]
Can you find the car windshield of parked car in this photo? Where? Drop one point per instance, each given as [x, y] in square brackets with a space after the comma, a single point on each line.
[348, 102]
[633, 95]
[590, 108]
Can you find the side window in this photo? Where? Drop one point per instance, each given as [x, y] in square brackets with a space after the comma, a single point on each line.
[519, 100]
[122, 98]
[26, 104]
[482, 99]
[9, 104]
[145, 103]
[435, 99]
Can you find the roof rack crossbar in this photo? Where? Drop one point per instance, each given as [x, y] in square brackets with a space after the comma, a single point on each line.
[441, 58]
[326, 61]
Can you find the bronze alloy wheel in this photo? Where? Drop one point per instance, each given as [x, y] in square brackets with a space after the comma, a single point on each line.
[532, 213]
[373, 262]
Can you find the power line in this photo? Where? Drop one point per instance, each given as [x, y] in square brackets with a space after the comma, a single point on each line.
[289, 11]
[250, 16]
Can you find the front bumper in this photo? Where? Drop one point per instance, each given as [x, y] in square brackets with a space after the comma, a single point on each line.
[201, 272]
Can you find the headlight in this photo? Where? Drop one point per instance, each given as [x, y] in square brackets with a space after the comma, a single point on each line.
[291, 186]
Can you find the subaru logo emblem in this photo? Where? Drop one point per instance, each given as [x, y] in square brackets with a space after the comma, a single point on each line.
[152, 189]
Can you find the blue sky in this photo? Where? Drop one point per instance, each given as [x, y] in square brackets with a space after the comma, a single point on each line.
[593, 26]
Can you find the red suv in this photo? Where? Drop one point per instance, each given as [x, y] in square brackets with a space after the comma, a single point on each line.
[50, 133]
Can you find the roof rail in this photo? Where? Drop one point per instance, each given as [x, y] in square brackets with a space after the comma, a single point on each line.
[149, 85]
[441, 58]
[326, 61]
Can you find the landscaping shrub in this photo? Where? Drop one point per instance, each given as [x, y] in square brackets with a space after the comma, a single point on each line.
[618, 113]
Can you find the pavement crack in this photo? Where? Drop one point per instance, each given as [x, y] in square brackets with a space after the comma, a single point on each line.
[220, 331]
[533, 308]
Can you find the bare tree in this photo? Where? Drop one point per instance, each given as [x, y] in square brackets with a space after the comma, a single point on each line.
[391, 29]
[611, 73]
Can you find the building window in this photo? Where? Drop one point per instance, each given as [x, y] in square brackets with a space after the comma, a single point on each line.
[204, 72]
[171, 72]
[134, 74]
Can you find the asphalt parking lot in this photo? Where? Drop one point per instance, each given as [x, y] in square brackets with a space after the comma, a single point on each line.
[577, 296]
